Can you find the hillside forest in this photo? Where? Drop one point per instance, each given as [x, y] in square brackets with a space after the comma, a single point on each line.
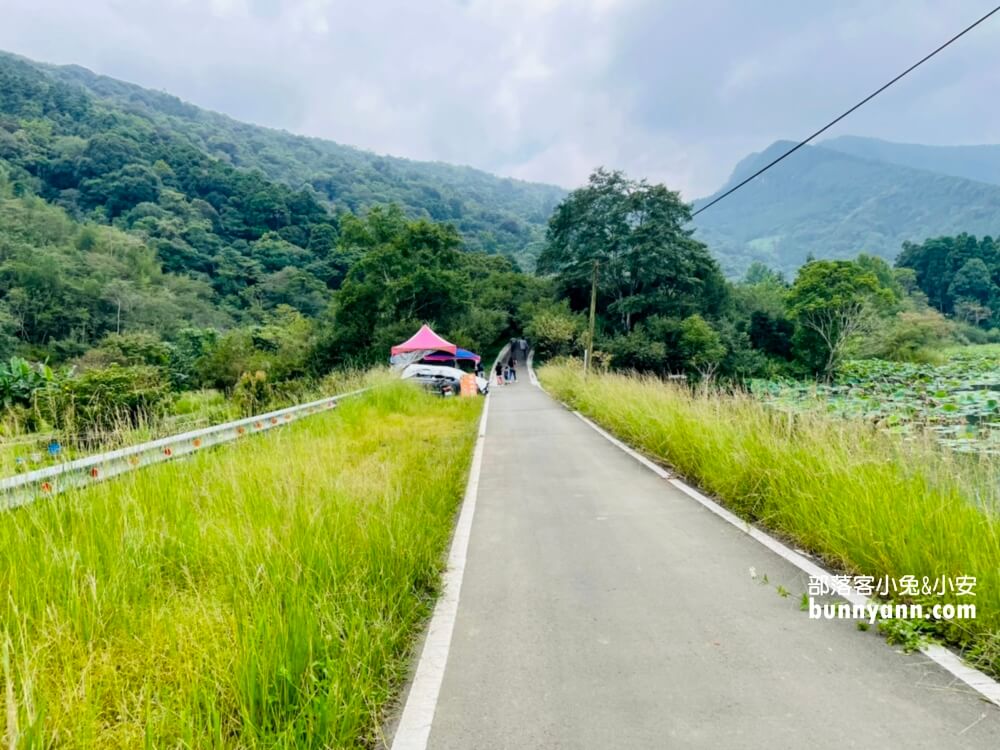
[149, 250]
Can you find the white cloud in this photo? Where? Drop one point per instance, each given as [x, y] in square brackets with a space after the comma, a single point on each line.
[309, 16]
[542, 89]
[228, 8]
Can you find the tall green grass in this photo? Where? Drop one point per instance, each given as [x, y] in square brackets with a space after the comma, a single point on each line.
[866, 502]
[23, 449]
[262, 594]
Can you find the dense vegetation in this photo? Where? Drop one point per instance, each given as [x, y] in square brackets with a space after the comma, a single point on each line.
[153, 268]
[495, 215]
[142, 233]
[124, 338]
[664, 307]
[233, 235]
[139, 231]
[136, 264]
[200, 605]
[960, 276]
[830, 203]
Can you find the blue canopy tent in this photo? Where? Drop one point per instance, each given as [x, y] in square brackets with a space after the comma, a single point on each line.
[459, 355]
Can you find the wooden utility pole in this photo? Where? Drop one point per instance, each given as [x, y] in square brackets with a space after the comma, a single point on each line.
[589, 354]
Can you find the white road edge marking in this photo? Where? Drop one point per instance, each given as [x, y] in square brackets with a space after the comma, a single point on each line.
[948, 661]
[414, 727]
[653, 467]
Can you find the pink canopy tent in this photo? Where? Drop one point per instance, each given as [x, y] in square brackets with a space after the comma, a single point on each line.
[424, 340]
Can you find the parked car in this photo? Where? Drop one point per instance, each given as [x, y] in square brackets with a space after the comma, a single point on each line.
[441, 379]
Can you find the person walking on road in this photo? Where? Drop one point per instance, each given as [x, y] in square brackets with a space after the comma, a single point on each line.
[512, 369]
[499, 371]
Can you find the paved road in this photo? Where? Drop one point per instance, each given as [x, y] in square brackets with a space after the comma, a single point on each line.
[602, 608]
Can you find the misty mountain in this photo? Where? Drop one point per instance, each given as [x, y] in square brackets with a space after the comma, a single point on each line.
[981, 163]
[849, 196]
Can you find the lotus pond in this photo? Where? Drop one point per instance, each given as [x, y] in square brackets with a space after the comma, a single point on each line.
[958, 402]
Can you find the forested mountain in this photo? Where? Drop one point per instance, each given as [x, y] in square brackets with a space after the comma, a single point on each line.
[981, 163]
[118, 218]
[251, 241]
[494, 214]
[825, 203]
[139, 231]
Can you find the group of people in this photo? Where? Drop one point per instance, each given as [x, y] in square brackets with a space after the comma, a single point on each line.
[506, 373]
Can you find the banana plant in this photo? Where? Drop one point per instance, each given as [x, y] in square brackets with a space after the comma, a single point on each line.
[19, 379]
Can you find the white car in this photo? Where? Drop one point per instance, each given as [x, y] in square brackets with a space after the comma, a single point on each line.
[437, 376]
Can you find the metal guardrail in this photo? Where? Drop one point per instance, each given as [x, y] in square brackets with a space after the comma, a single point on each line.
[22, 489]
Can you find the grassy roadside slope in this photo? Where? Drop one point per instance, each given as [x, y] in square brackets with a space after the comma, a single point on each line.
[262, 594]
[866, 503]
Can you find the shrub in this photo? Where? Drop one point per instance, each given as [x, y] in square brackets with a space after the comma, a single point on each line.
[106, 400]
[912, 337]
[554, 330]
[226, 360]
[638, 351]
[700, 346]
[252, 392]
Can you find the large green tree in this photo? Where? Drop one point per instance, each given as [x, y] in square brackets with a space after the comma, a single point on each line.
[972, 282]
[648, 262]
[406, 273]
[833, 302]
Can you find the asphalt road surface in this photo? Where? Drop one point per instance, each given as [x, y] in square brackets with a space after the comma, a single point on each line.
[603, 608]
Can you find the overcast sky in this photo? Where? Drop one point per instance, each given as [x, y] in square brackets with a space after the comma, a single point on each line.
[673, 90]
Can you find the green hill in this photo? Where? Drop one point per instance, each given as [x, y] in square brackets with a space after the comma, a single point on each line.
[826, 203]
[128, 211]
[494, 214]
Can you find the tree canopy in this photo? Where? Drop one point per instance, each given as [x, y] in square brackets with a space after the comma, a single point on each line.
[648, 263]
[960, 275]
[834, 301]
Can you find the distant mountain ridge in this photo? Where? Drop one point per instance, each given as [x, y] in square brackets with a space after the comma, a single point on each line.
[980, 163]
[850, 195]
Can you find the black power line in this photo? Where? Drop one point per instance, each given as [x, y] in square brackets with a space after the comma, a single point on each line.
[864, 101]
